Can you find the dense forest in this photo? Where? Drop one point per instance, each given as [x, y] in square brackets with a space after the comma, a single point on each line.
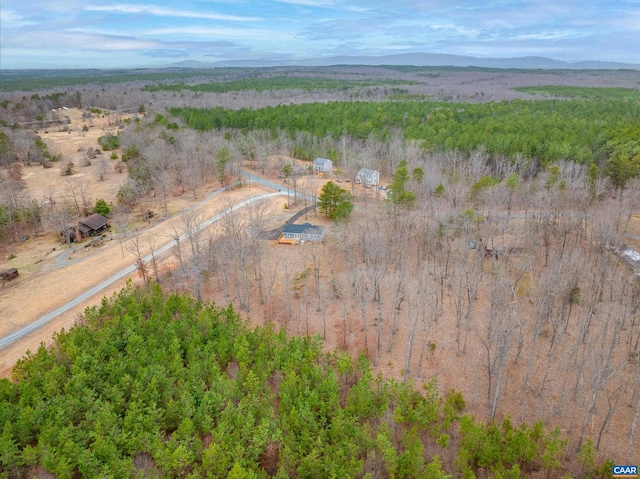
[155, 385]
[588, 132]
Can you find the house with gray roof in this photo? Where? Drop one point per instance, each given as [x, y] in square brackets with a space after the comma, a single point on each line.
[322, 165]
[368, 177]
[299, 234]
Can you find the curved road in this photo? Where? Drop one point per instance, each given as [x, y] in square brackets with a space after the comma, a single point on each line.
[47, 318]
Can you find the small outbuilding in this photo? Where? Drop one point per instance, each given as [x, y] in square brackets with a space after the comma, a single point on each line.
[368, 177]
[8, 274]
[632, 258]
[299, 234]
[322, 165]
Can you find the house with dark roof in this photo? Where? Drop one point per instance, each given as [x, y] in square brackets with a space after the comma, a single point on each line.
[93, 225]
[368, 177]
[299, 234]
[322, 165]
[8, 274]
[90, 226]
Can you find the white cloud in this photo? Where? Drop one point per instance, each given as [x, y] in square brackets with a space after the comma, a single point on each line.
[597, 29]
[168, 12]
[11, 19]
[551, 35]
[308, 3]
[241, 33]
[81, 41]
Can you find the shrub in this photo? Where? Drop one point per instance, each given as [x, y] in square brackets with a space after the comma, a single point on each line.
[68, 170]
[102, 207]
[109, 142]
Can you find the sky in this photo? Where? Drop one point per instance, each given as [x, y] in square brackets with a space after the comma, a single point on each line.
[143, 33]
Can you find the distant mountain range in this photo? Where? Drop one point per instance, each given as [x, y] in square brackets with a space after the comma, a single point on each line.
[422, 59]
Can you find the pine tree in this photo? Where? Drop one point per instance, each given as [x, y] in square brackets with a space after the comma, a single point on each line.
[335, 202]
[398, 194]
[102, 207]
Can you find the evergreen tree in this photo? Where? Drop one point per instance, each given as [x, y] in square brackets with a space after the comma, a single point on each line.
[222, 159]
[418, 175]
[335, 202]
[398, 194]
[287, 170]
[624, 162]
[145, 377]
[102, 207]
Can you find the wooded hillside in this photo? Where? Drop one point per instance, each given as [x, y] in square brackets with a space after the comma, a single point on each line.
[149, 385]
[492, 262]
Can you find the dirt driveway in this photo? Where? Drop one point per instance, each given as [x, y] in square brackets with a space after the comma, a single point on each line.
[49, 289]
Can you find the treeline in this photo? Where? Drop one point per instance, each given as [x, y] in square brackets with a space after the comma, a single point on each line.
[20, 214]
[274, 83]
[582, 92]
[217, 80]
[17, 110]
[164, 386]
[589, 132]
[32, 80]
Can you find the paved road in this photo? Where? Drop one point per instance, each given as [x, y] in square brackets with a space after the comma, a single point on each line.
[252, 177]
[47, 318]
[14, 336]
[63, 261]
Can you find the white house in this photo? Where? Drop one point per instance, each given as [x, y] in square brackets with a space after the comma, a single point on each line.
[368, 177]
[322, 164]
[632, 257]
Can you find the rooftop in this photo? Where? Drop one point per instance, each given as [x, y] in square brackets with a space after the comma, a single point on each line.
[94, 222]
[303, 228]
